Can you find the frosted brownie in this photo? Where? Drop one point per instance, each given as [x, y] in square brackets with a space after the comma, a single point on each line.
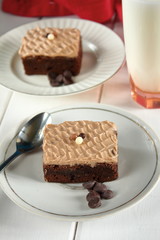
[80, 151]
[51, 49]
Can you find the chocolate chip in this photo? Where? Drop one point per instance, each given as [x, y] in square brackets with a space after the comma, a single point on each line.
[93, 195]
[67, 77]
[89, 185]
[46, 35]
[94, 199]
[93, 204]
[108, 194]
[59, 78]
[82, 135]
[67, 74]
[100, 187]
[55, 83]
[54, 79]
[97, 191]
[73, 136]
[67, 81]
[52, 75]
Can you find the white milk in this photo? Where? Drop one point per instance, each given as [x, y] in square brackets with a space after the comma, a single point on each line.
[141, 19]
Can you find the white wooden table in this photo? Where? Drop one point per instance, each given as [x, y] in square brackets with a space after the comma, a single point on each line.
[140, 222]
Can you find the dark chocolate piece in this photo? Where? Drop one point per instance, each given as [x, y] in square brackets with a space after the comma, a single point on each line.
[108, 194]
[59, 79]
[92, 195]
[89, 185]
[99, 187]
[94, 203]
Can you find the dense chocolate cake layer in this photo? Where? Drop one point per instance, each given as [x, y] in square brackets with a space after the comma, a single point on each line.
[80, 173]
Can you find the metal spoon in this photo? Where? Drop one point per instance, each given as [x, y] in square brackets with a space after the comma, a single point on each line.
[30, 136]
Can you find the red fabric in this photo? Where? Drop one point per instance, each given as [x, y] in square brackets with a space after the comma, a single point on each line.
[95, 10]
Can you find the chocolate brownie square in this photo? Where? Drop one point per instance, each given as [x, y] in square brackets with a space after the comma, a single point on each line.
[48, 49]
[80, 151]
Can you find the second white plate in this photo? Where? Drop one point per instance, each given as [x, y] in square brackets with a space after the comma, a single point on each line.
[103, 55]
[139, 169]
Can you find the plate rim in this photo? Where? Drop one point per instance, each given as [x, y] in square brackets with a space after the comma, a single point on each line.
[71, 92]
[137, 198]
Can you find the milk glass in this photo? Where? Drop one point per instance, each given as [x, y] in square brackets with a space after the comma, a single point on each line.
[141, 22]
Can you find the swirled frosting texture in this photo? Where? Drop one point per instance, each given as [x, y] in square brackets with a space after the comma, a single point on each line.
[99, 145]
[65, 42]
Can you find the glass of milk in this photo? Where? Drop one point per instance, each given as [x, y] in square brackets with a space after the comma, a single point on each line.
[141, 22]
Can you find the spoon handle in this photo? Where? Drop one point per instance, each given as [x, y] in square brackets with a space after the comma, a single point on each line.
[10, 159]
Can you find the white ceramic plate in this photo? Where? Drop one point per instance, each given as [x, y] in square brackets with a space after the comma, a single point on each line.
[103, 55]
[139, 170]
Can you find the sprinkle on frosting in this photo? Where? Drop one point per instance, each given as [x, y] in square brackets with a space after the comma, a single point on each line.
[50, 36]
[73, 136]
[79, 140]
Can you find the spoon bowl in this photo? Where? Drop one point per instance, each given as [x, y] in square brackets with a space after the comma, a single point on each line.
[30, 136]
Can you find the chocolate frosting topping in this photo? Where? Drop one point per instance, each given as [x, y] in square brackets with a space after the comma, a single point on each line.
[99, 144]
[50, 42]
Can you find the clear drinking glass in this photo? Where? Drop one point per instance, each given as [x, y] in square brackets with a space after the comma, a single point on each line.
[141, 22]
